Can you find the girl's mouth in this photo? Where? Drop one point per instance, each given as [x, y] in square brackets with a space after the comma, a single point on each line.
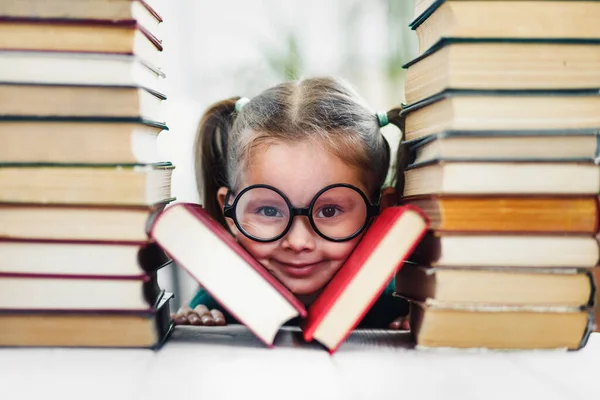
[298, 270]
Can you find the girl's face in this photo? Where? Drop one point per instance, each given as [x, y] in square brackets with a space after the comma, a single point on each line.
[302, 260]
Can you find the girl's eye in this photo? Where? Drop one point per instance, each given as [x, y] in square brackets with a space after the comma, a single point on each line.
[328, 212]
[269, 212]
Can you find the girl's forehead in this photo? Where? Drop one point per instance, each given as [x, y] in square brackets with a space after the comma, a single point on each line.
[299, 170]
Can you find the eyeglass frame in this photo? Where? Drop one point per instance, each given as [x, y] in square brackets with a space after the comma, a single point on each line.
[229, 211]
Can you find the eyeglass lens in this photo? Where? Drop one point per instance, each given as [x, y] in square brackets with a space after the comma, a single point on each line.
[337, 213]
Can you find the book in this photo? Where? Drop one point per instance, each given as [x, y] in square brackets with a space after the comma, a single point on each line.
[130, 185]
[502, 327]
[503, 250]
[543, 20]
[71, 328]
[525, 110]
[514, 213]
[54, 292]
[81, 259]
[70, 68]
[356, 286]
[558, 145]
[126, 37]
[559, 287]
[59, 101]
[98, 10]
[58, 222]
[79, 140]
[502, 65]
[596, 276]
[480, 178]
[239, 283]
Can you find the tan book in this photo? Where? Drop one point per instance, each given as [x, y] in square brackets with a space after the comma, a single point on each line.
[496, 286]
[526, 214]
[493, 65]
[148, 329]
[502, 250]
[27, 292]
[89, 10]
[81, 259]
[73, 222]
[502, 328]
[69, 68]
[89, 36]
[502, 178]
[544, 20]
[565, 145]
[477, 110]
[59, 101]
[596, 275]
[73, 141]
[137, 185]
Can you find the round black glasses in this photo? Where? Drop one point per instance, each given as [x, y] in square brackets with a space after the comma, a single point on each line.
[338, 212]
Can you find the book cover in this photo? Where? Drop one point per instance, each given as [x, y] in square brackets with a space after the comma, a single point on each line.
[383, 228]
[236, 283]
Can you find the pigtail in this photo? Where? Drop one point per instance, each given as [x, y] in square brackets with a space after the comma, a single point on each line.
[211, 146]
[402, 155]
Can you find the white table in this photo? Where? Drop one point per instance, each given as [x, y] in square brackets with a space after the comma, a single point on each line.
[229, 363]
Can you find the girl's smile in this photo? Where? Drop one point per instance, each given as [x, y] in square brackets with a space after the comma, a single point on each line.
[302, 260]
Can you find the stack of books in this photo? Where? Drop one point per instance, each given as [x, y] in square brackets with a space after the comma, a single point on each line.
[502, 124]
[81, 178]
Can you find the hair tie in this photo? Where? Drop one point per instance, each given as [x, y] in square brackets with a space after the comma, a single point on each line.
[242, 101]
[383, 119]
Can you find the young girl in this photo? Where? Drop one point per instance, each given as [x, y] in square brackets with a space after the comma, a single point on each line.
[294, 174]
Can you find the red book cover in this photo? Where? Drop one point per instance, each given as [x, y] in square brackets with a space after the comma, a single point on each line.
[203, 216]
[376, 232]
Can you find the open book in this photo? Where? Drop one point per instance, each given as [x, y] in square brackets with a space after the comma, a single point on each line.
[258, 300]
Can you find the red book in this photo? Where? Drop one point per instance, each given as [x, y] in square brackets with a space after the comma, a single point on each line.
[363, 277]
[224, 269]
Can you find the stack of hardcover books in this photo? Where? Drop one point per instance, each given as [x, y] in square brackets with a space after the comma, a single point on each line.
[502, 125]
[81, 177]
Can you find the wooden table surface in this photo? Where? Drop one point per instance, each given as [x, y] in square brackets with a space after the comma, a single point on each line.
[229, 363]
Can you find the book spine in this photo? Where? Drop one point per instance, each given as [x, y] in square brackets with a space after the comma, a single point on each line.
[591, 325]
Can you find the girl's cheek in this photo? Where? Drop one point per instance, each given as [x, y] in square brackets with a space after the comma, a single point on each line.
[339, 251]
[258, 250]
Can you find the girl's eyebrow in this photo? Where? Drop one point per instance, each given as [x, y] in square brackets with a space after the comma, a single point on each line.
[332, 199]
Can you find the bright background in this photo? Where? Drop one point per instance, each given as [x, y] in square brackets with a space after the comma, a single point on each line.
[218, 49]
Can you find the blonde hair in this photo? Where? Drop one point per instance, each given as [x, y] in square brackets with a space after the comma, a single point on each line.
[323, 110]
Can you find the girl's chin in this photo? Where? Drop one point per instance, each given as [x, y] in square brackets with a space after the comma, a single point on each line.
[306, 290]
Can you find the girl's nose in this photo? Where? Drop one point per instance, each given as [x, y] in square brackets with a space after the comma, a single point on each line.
[300, 237]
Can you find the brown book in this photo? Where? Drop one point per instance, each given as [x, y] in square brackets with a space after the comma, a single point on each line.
[489, 65]
[126, 185]
[72, 222]
[506, 328]
[148, 329]
[96, 10]
[72, 141]
[525, 214]
[501, 286]
[501, 250]
[478, 110]
[59, 101]
[504, 20]
[502, 178]
[126, 37]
